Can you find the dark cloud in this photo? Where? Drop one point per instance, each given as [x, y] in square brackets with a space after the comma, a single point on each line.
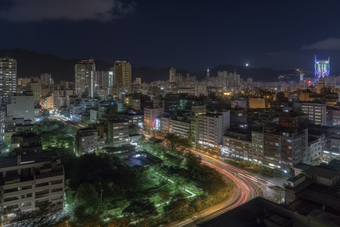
[39, 10]
[327, 44]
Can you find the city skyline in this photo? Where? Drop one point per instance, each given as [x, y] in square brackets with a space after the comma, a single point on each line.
[182, 35]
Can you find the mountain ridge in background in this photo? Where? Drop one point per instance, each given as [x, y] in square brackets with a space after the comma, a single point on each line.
[31, 63]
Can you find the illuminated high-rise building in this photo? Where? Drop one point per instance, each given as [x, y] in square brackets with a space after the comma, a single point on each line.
[46, 79]
[122, 73]
[85, 77]
[172, 75]
[321, 68]
[8, 78]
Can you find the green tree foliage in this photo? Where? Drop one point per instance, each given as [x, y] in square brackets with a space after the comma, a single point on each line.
[82, 218]
[164, 195]
[108, 181]
[133, 129]
[210, 180]
[142, 208]
[175, 141]
[55, 133]
[177, 205]
[82, 198]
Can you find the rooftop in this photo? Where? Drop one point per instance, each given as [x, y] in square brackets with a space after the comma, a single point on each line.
[321, 198]
[27, 159]
[246, 215]
[322, 172]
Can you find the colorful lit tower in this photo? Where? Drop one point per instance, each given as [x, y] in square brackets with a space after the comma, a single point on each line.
[321, 68]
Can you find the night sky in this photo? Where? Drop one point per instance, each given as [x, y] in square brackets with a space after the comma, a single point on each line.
[191, 35]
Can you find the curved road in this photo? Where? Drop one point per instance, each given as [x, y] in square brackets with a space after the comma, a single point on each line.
[244, 190]
[248, 184]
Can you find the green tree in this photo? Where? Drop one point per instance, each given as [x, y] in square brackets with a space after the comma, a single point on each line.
[164, 195]
[177, 205]
[142, 208]
[82, 198]
[82, 218]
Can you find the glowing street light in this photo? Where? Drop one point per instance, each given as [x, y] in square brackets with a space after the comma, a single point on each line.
[247, 65]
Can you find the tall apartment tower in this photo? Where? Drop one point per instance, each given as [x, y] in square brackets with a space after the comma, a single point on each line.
[139, 80]
[122, 72]
[172, 75]
[8, 78]
[46, 79]
[85, 72]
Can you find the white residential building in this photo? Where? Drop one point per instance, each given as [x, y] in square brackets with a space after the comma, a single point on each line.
[28, 180]
[316, 112]
[211, 128]
[180, 128]
[22, 106]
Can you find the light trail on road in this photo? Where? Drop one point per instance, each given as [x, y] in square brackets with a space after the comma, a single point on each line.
[248, 186]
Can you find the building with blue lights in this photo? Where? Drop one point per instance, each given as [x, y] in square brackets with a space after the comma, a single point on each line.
[321, 69]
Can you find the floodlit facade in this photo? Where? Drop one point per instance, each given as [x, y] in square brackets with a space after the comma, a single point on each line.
[321, 68]
[8, 78]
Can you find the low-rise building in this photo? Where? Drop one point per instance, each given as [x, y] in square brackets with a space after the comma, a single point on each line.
[165, 125]
[22, 106]
[150, 115]
[237, 145]
[86, 141]
[118, 132]
[316, 112]
[25, 143]
[180, 128]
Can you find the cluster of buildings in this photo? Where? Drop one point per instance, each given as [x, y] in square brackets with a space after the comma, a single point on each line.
[277, 125]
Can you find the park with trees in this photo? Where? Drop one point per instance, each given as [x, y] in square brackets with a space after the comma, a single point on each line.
[141, 195]
[100, 190]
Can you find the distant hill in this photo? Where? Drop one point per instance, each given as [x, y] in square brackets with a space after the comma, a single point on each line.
[31, 63]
